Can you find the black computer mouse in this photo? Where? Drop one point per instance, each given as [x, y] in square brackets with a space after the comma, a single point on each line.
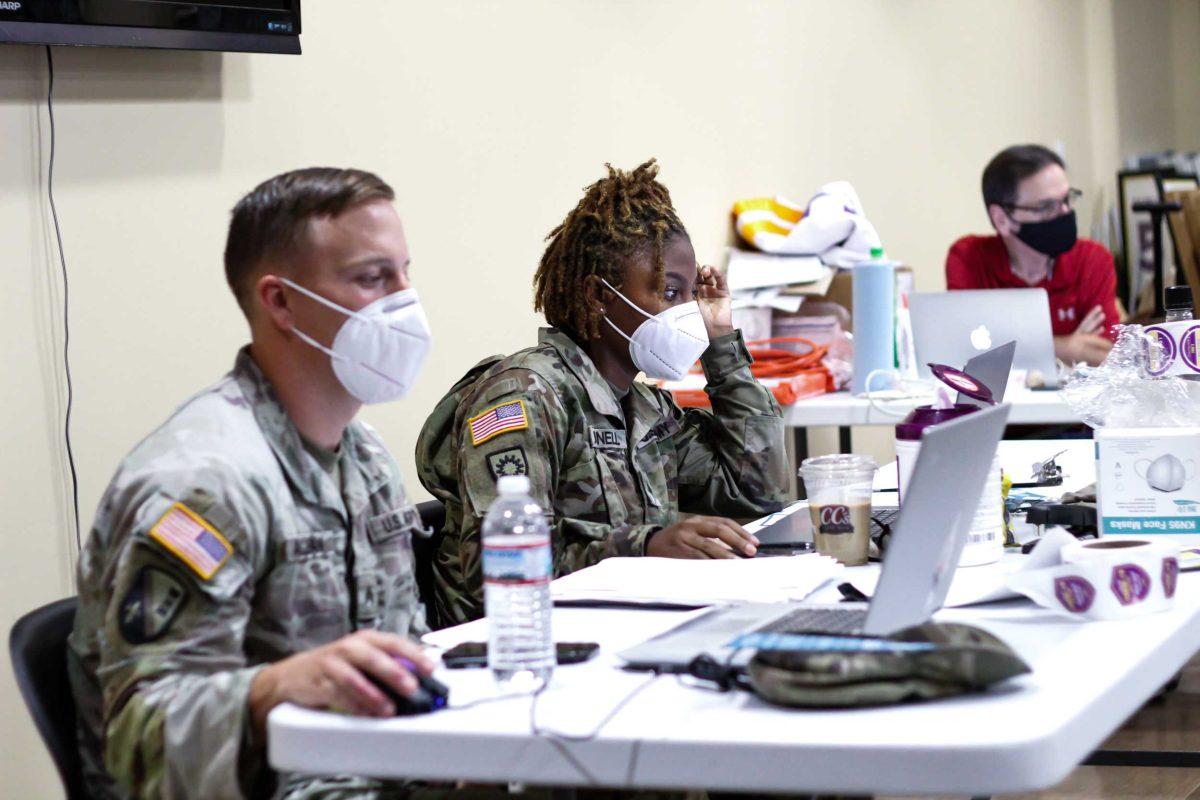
[431, 694]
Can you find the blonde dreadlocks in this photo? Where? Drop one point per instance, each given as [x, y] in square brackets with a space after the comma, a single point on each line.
[622, 215]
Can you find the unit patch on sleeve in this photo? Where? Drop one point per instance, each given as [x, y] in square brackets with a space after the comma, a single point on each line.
[496, 420]
[508, 462]
[150, 605]
[192, 540]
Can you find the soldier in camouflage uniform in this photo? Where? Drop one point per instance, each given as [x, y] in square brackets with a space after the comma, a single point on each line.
[255, 548]
[612, 460]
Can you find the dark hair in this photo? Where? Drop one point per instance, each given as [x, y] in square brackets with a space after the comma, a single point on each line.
[621, 215]
[271, 220]
[1011, 166]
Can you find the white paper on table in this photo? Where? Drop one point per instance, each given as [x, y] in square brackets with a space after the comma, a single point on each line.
[698, 582]
[748, 270]
[770, 519]
[768, 298]
[988, 583]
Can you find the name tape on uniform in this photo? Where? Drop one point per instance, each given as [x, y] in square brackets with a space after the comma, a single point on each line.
[607, 439]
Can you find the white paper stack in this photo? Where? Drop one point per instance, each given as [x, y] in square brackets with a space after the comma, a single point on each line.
[762, 280]
[697, 582]
[749, 270]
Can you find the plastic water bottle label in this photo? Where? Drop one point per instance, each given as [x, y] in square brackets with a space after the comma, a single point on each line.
[517, 564]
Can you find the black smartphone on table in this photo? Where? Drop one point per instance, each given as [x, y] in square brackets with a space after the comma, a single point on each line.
[784, 548]
[474, 654]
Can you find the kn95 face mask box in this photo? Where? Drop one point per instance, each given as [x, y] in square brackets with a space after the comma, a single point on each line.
[1147, 480]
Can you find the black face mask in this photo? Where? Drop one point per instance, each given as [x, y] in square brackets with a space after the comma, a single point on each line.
[1052, 237]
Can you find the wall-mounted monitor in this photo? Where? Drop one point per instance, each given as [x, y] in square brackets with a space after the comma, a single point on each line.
[253, 26]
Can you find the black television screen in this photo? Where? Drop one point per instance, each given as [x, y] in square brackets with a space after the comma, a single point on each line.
[256, 26]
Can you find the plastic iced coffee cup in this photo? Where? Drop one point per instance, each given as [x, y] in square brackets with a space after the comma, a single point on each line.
[839, 501]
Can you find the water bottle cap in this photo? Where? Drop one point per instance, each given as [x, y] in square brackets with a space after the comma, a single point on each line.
[1178, 297]
[513, 484]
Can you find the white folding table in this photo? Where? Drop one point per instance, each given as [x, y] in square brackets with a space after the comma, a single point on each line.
[1086, 680]
[844, 410]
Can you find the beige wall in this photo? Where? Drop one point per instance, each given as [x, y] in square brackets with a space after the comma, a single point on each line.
[489, 118]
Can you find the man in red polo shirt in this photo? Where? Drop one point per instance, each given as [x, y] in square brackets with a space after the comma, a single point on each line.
[1030, 203]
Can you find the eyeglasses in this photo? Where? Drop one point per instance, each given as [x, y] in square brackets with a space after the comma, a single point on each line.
[1049, 208]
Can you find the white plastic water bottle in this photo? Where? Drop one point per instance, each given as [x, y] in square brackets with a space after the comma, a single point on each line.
[516, 587]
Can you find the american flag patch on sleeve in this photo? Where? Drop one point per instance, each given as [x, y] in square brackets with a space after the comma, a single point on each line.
[497, 420]
[192, 540]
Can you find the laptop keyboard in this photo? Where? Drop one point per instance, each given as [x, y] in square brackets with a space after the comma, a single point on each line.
[818, 620]
[882, 519]
[833, 620]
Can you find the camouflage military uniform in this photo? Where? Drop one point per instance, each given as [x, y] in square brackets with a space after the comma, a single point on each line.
[610, 472]
[162, 657]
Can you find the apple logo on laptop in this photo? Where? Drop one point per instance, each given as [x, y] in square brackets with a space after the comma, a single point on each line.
[981, 338]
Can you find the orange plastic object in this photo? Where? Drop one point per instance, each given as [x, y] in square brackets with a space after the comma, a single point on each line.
[797, 376]
[773, 362]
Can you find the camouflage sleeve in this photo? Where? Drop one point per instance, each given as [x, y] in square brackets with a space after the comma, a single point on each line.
[418, 625]
[732, 460]
[172, 671]
[534, 446]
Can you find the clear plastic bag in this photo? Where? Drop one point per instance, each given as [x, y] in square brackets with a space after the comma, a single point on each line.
[1121, 393]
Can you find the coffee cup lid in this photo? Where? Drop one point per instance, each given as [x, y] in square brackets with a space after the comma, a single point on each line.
[963, 383]
[837, 463]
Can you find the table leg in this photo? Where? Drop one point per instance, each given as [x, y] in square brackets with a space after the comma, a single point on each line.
[800, 450]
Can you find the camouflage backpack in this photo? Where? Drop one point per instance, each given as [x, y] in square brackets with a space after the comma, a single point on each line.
[437, 469]
[437, 454]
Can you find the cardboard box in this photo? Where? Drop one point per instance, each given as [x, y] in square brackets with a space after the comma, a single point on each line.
[1147, 481]
[841, 287]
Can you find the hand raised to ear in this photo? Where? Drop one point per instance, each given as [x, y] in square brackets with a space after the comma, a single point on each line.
[716, 304]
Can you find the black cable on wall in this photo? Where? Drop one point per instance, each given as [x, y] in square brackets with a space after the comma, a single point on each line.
[62, 259]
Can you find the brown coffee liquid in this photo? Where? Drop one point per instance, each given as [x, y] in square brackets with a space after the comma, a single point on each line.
[842, 531]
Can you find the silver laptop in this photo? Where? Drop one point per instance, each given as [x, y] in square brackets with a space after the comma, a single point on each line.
[930, 532]
[952, 327]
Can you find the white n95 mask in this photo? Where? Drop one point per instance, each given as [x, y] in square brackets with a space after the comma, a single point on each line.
[1165, 473]
[665, 346]
[380, 348]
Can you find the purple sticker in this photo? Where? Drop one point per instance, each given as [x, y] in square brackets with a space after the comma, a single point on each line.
[1170, 576]
[1075, 593]
[1154, 366]
[1187, 348]
[1130, 584]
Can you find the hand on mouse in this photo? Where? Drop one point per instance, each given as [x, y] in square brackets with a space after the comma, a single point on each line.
[334, 676]
[702, 537]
